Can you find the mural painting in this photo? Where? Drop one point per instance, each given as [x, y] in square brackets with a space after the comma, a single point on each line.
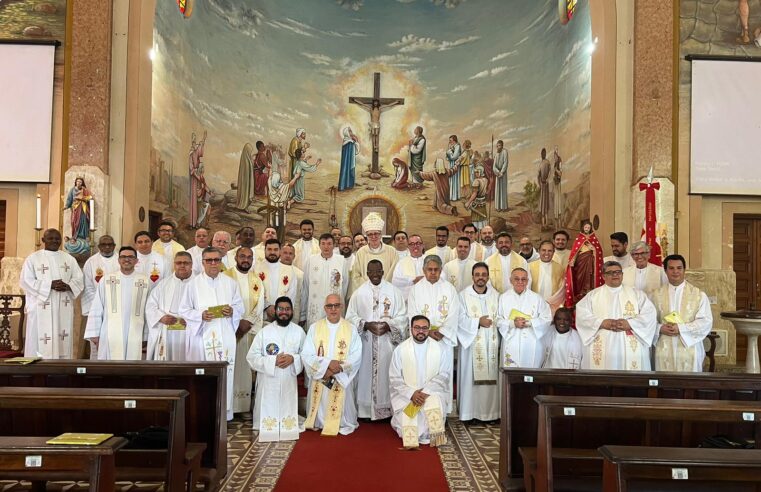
[435, 112]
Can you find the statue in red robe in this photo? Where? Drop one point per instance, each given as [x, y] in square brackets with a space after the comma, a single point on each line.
[584, 271]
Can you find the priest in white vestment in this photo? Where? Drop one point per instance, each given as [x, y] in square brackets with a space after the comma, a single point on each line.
[548, 277]
[222, 240]
[458, 271]
[442, 250]
[202, 240]
[560, 240]
[523, 318]
[149, 263]
[503, 262]
[252, 294]
[324, 273]
[487, 240]
[439, 301]
[477, 252]
[478, 360]
[212, 308]
[409, 270]
[51, 280]
[419, 381]
[279, 279]
[246, 237]
[103, 262]
[166, 330]
[526, 250]
[268, 233]
[332, 354]
[346, 249]
[166, 246]
[684, 320]
[379, 312]
[276, 357]
[400, 242]
[116, 325]
[373, 226]
[619, 242]
[643, 275]
[306, 246]
[564, 349]
[617, 324]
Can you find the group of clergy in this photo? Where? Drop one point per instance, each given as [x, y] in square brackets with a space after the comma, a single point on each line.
[376, 328]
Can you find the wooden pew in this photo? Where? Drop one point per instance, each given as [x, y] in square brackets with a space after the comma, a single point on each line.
[30, 458]
[52, 411]
[205, 420]
[519, 423]
[589, 409]
[666, 465]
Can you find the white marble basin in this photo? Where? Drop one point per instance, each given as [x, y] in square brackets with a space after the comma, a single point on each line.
[748, 323]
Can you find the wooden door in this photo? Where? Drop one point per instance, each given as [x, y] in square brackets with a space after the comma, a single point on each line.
[747, 266]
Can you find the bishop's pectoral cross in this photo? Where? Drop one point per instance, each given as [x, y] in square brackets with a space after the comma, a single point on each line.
[375, 105]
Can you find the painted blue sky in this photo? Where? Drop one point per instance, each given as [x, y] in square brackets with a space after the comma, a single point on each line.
[250, 70]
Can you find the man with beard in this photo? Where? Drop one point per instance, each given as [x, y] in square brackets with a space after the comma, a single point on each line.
[96, 266]
[619, 241]
[252, 294]
[560, 240]
[166, 330]
[378, 311]
[442, 250]
[307, 245]
[487, 241]
[201, 239]
[278, 280]
[267, 234]
[287, 257]
[359, 240]
[502, 263]
[547, 276]
[166, 246]
[527, 250]
[419, 378]
[275, 356]
[246, 237]
[478, 361]
[345, 249]
[324, 273]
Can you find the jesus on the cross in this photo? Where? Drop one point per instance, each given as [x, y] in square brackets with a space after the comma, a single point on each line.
[375, 105]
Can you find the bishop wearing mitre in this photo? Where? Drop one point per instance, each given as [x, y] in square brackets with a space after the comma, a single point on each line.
[372, 227]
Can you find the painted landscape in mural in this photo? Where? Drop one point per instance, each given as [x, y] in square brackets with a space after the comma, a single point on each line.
[431, 112]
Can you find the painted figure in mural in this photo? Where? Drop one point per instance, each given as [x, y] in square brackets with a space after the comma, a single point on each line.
[557, 177]
[262, 167]
[488, 164]
[454, 151]
[465, 168]
[401, 175]
[477, 201]
[584, 271]
[440, 178]
[743, 10]
[299, 142]
[280, 188]
[543, 179]
[78, 200]
[375, 109]
[204, 198]
[245, 178]
[300, 168]
[194, 166]
[500, 176]
[417, 155]
[349, 151]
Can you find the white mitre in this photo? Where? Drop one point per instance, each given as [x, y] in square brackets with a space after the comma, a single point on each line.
[373, 222]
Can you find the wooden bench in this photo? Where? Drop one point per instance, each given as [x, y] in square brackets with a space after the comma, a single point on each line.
[519, 424]
[554, 409]
[53, 411]
[205, 412]
[628, 463]
[30, 458]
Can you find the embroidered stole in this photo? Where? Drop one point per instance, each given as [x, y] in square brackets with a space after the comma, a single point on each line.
[602, 306]
[213, 339]
[495, 270]
[684, 358]
[160, 352]
[136, 316]
[485, 346]
[249, 286]
[337, 393]
[432, 407]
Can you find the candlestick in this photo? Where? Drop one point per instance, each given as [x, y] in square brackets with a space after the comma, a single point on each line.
[92, 214]
[38, 222]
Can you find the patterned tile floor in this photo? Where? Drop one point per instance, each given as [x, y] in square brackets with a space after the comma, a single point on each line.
[470, 461]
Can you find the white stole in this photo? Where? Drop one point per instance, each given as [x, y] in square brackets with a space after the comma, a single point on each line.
[213, 341]
[485, 346]
[432, 407]
[113, 290]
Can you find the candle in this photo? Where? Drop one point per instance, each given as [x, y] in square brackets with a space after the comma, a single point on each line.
[38, 223]
[92, 214]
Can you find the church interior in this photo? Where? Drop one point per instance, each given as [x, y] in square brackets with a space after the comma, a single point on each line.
[589, 153]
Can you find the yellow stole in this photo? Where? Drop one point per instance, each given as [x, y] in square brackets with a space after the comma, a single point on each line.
[249, 293]
[602, 304]
[536, 271]
[684, 359]
[495, 269]
[337, 393]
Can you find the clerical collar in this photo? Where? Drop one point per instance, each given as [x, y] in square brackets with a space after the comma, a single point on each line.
[378, 250]
[614, 289]
[183, 279]
[676, 286]
[486, 289]
[240, 271]
[326, 259]
[520, 293]
[109, 256]
[528, 256]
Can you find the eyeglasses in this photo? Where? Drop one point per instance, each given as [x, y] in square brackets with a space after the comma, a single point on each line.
[520, 280]
[285, 309]
[333, 306]
[212, 260]
[641, 253]
[131, 258]
[183, 263]
[421, 328]
[614, 273]
[165, 230]
[416, 243]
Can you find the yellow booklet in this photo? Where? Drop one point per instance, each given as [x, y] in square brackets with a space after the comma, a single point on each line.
[81, 439]
[22, 360]
[674, 318]
[216, 311]
[176, 326]
[517, 314]
[412, 410]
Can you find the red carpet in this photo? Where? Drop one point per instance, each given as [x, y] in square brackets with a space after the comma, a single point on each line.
[370, 459]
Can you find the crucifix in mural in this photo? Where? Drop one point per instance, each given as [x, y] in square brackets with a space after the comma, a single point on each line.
[375, 105]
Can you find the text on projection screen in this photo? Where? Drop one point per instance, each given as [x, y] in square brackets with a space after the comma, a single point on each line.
[26, 111]
[726, 127]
